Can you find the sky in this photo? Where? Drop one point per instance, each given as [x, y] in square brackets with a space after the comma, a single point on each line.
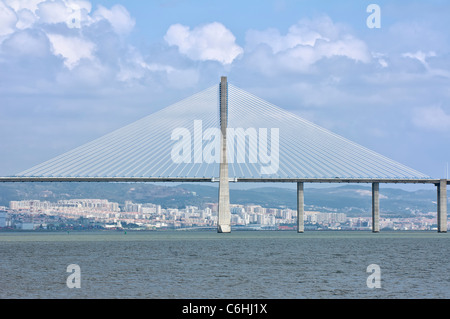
[74, 70]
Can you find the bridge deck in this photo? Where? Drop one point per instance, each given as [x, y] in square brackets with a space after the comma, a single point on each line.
[14, 179]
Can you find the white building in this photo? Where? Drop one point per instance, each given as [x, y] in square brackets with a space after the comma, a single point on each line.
[25, 226]
[3, 219]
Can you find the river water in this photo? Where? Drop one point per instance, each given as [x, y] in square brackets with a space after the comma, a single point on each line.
[241, 264]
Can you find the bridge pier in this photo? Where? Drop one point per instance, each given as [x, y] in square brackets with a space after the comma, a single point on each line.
[375, 207]
[224, 215]
[300, 208]
[442, 206]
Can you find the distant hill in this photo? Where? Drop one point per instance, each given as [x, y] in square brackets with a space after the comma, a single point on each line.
[351, 199]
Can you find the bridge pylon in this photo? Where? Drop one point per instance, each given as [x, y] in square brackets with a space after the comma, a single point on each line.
[224, 215]
[442, 206]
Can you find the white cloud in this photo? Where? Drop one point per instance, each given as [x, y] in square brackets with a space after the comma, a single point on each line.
[79, 5]
[420, 56]
[72, 49]
[23, 14]
[431, 118]
[381, 59]
[71, 45]
[136, 68]
[297, 35]
[8, 20]
[26, 19]
[75, 13]
[305, 43]
[91, 50]
[72, 12]
[118, 17]
[18, 5]
[207, 42]
[52, 12]
[26, 43]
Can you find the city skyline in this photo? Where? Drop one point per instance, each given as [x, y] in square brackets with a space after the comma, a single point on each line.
[321, 62]
[85, 214]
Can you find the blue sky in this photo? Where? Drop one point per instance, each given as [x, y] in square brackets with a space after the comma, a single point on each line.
[72, 71]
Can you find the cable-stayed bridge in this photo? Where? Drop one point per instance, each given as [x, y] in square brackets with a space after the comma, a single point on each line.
[225, 134]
